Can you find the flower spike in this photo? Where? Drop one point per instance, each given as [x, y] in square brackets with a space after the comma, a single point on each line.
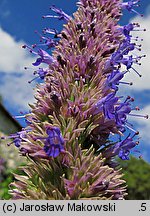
[78, 107]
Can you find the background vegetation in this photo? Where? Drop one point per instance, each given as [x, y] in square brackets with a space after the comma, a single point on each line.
[137, 174]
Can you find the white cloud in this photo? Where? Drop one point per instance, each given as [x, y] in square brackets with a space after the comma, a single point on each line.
[13, 57]
[17, 91]
[14, 86]
[142, 83]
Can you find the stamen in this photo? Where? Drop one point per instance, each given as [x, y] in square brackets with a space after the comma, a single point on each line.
[28, 68]
[51, 31]
[137, 12]
[34, 45]
[136, 72]
[50, 16]
[130, 128]
[18, 117]
[30, 81]
[60, 14]
[137, 133]
[126, 83]
[29, 48]
[137, 108]
[139, 29]
[137, 115]
[128, 98]
[136, 38]
[9, 144]
[128, 123]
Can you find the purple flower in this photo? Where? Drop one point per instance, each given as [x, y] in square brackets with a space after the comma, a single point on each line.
[44, 56]
[124, 154]
[61, 14]
[50, 43]
[129, 6]
[121, 56]
[114, 78]
[51, 31]
[18, 138]
[121, 114]
[122, 148]
[106, 105]
[130, 27]
[54, 143]
[41, 72]
[113, 109]
[128, 61]
[126, 30]
[124, 49]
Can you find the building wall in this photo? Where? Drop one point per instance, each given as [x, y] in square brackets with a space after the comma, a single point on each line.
[8, 125]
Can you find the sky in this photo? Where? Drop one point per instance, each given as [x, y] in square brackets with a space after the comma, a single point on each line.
[18, 22]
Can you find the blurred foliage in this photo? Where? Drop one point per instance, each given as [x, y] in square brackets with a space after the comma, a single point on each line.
[137, 175]
[1, 100]
[6, 178]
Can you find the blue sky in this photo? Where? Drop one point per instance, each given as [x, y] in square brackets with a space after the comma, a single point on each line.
[19, 20]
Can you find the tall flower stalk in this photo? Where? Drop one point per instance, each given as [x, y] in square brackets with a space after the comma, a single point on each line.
[67, 142]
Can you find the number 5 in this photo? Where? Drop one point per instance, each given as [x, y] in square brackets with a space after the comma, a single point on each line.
[143, 207]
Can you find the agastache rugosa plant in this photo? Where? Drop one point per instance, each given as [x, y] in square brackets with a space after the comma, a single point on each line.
[67, 140]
